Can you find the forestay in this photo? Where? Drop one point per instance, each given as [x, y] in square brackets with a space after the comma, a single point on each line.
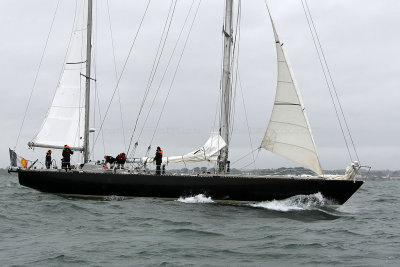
[64, 123]
[208, 152]
[288, 133]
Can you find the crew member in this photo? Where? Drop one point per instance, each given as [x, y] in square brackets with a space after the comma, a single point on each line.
[158, 160]
[110, 160]
[67, 152]
[121, 159]
[48, 159]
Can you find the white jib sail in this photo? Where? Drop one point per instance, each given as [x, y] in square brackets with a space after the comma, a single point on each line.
[64, 123]
[208, 152]
[289, 133]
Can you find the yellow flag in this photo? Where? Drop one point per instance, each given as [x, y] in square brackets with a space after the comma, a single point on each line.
[24, 163]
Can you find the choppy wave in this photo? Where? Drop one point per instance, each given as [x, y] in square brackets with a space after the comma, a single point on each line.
[194, 232]
[201, 198]
[299, 202]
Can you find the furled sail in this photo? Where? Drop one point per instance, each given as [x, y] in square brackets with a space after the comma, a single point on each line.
[64, 123]
[289, 133]
[208, 152]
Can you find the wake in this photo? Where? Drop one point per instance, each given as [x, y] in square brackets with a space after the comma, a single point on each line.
[295, 203]
[201, 198]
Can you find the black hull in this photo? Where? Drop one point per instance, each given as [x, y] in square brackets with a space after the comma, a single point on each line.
[251, 189]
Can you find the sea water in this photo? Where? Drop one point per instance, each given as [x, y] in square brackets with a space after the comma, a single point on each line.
[39, 229]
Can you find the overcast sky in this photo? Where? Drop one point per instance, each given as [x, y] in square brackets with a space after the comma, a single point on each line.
[360, 38]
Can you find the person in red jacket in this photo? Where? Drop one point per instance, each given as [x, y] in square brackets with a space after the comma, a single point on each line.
[158, 160]
[121, 159]
[67, 152]
[48, 159]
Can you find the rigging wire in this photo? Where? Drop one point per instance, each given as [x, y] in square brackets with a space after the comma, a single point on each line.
[124, 66]
[247, 121]
[83, 49]
[245, 156]
[76, 10]
[116, 73]
[236, 55]
[176, 70]
[95, 78]
[154, 98]
[167, 67]
[163, 41]
[100, 117]
[327, 82]
[220, 80]
[37, 73]
[236, 42]
[310, 21]
[96, 91]
[236, 50]
[153, 71]
[217, 114]
[254, 160]
[73, 30]
[218, 107]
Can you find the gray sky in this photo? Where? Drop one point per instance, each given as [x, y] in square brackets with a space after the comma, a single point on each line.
[360, 38]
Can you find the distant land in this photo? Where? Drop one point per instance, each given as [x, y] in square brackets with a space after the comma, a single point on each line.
[363, 174]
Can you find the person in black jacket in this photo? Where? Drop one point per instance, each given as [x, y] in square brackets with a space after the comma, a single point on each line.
[110, 160]
[158, 160]
[67, 152]
[48, 159]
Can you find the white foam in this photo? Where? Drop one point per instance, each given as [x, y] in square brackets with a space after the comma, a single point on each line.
[113, 198]
[201, 198]
[300, 202]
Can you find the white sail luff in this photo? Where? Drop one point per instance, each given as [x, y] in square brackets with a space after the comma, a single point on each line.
[64, 122]
[288, 133]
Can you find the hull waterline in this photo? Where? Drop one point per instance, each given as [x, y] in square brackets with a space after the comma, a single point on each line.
[228, 188]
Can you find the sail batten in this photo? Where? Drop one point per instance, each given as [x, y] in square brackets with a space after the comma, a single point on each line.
[288, 123]
[288, 133]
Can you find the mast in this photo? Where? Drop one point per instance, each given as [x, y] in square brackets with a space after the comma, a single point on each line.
[87, 94]
[226, 90]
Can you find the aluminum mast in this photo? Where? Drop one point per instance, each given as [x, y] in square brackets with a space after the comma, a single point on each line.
[87, 95]
[226, 91]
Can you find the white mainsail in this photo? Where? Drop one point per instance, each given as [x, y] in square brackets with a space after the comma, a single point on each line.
[289, 133]
[208, 152]
[64, 123]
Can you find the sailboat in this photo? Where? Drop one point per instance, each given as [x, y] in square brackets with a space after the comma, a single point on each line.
[288, 134]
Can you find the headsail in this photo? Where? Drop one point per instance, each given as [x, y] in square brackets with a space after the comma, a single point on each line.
[64, 123]
[208, 152]
[289, 133]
